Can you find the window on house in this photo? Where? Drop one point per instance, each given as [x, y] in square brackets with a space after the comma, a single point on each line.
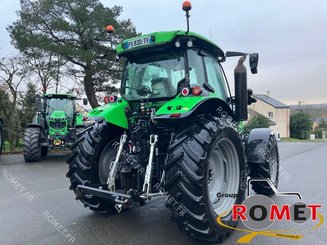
[270, 114]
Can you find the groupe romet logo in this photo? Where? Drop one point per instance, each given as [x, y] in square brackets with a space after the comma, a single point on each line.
[259, 212]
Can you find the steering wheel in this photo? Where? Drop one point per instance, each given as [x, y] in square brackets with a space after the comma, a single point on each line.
[143, 91]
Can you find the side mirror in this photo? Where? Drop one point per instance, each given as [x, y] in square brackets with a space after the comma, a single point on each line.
[254, 58]
[85, 101]
[38, 103]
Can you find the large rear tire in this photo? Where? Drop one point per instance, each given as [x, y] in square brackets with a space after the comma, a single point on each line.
[93, 150]
[2, 138]
[32, 149]
[204, 159]
[268, 169]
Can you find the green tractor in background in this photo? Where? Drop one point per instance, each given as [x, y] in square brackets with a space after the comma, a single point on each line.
[176, 131]
[2, 136]
[55, 125]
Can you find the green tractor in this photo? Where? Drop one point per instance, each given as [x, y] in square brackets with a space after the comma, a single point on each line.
[2, 136]
[176, 131]
[55, 125]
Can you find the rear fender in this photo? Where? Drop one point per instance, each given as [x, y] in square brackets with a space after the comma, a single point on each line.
[214, 106]
[257, 145]
[113, 113]
[38, 120]
[33, 125]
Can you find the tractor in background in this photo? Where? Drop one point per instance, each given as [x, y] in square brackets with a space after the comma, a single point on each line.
[55, 125]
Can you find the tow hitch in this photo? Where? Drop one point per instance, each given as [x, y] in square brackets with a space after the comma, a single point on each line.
[121, 200]
[102, 191]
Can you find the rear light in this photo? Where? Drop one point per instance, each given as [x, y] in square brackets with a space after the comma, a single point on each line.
[196, 91]
[185, 91]
[175, 115]
[106, 99]
[112, 98]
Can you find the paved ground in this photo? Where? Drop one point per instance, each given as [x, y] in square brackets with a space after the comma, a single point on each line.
[41, 195]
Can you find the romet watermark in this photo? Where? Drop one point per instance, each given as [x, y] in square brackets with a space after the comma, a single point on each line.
[274, 164]
[129, 159]
[58, 226]
[229, 120]
[18, 186]
[225, 195]
[259, 212]
[29, 197]
[171, 201]
[263, 153]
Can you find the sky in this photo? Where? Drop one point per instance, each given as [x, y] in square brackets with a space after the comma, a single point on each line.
[290, 37]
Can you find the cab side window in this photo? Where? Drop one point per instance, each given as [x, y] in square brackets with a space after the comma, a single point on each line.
[215, 76]
[197, 73]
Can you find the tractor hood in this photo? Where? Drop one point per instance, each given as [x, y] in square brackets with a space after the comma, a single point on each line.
[58, 115]
[58, 123]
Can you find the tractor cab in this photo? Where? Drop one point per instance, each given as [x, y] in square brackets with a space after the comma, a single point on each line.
[61, 116]
[161, 68]
[60, 107]
[183, 69]
[66, 105]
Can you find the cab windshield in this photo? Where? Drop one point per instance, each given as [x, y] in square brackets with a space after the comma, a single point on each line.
[153, 77]
[59, 104]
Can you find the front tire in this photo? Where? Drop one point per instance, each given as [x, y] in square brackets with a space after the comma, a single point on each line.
[79, 131]
[90, 153]
[268, 169]
[196, 172]
[32, 149]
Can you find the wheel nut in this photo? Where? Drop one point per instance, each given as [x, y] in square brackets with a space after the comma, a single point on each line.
[210, 175]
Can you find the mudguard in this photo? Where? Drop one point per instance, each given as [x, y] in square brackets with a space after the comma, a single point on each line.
[34, 125]
[187, 107]
[257, 145]
[113, 113]
[38, 121]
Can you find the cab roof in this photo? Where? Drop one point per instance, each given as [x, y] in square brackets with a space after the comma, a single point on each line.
[157, 39]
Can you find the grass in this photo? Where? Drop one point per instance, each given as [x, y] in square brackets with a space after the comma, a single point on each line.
[19, 147]
[298, 140]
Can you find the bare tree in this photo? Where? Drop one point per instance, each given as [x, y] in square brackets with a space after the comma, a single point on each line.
[48, 69]
[74, 31]
[12, 74]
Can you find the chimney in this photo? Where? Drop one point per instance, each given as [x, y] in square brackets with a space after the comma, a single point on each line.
[268, 93]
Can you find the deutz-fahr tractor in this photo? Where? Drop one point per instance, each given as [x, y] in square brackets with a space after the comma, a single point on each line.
[2, 139]
[175, 131]
[54, 126]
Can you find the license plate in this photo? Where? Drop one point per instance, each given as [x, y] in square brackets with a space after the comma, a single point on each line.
[138, 42]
